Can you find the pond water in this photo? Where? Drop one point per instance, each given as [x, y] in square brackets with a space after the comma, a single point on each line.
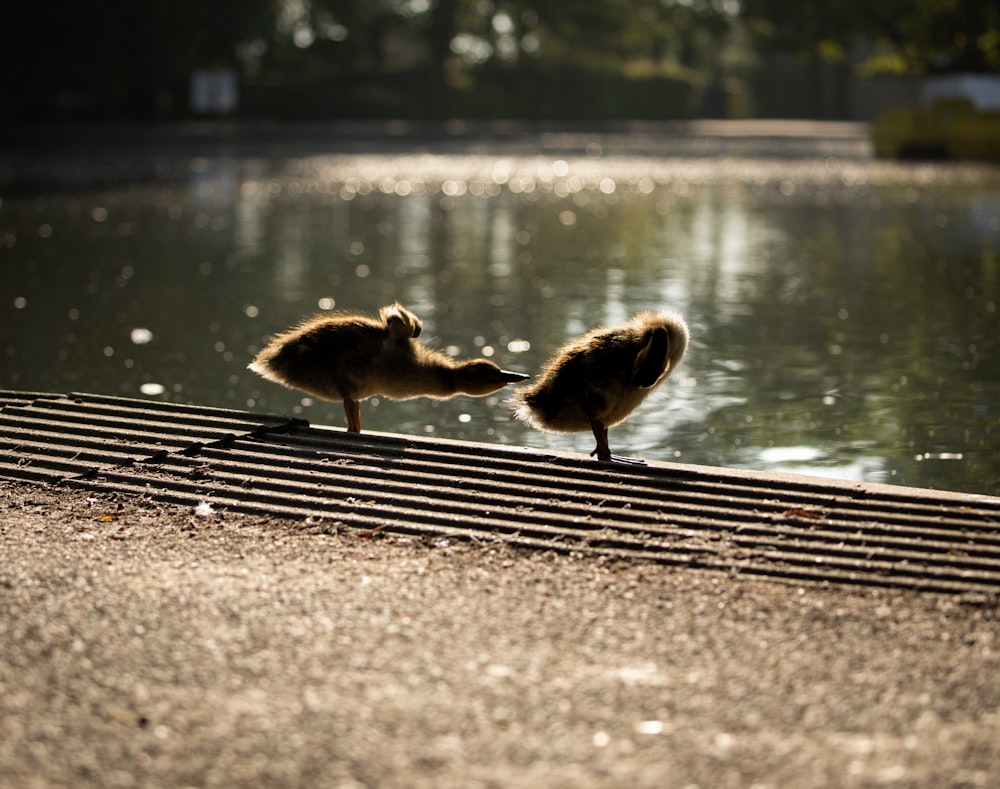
[843, 311]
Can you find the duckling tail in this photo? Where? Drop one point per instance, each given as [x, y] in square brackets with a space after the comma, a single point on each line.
[261, 368]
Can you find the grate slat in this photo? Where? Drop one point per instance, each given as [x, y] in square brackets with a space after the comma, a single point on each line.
[785, 527]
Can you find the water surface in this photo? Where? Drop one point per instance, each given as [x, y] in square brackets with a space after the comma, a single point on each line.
[843, 311]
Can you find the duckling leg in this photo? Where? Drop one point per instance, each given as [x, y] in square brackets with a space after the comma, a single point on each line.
[603, 451]
[353, 410]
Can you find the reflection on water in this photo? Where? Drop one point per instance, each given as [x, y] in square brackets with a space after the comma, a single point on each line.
[843, 313]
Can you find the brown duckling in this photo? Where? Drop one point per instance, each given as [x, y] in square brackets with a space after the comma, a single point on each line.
[595, 381]
[351, 356]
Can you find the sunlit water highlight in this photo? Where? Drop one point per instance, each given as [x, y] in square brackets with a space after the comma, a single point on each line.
[843, 312]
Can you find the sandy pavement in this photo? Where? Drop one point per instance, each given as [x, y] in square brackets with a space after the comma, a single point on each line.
[144, 644]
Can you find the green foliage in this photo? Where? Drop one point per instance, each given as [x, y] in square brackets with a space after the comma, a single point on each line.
[911, 36]
[328, 58]
[438, 58]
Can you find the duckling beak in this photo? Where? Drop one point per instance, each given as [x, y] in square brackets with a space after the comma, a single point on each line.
[509, 377]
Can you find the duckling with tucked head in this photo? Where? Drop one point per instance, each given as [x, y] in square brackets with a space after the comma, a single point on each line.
[595, 381]
[351, 356]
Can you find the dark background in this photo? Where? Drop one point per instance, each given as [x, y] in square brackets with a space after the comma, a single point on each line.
[475, 59]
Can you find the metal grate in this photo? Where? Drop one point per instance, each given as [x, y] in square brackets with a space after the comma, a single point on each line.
[775, 525]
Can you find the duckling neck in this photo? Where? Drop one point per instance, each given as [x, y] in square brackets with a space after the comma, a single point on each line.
[425, 377]
[440, 379]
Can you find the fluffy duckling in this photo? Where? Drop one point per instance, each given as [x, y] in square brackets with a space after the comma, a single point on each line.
[350, 356]
[595, 381]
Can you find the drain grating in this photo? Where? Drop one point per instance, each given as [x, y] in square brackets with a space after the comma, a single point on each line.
[773, 525]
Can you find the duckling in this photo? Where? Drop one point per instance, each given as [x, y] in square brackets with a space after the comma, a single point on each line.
[351, 356]
[595, 381]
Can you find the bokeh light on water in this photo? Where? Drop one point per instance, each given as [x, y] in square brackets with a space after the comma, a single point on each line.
[843, 311]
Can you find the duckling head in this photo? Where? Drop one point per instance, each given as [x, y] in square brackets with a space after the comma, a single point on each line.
[478, 377]
[662, 339]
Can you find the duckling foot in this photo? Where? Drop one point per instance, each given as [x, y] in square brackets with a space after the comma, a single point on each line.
[629, 461]
[618, 459]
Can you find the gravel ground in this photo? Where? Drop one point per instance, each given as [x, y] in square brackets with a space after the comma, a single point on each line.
[151, 645]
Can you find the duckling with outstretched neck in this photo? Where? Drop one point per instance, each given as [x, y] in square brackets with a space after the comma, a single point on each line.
[595, 381]
[351, 356]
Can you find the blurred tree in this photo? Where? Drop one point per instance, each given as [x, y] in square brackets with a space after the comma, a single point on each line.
[428, 49]
[134, 58]
[604, 31]
[433, 33]
[911, 36]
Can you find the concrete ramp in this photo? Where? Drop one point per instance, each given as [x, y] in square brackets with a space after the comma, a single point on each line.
[789, 527]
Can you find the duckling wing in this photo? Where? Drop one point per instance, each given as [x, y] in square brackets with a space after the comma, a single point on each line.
[563, 398]
[609, 379]
[400, 323]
